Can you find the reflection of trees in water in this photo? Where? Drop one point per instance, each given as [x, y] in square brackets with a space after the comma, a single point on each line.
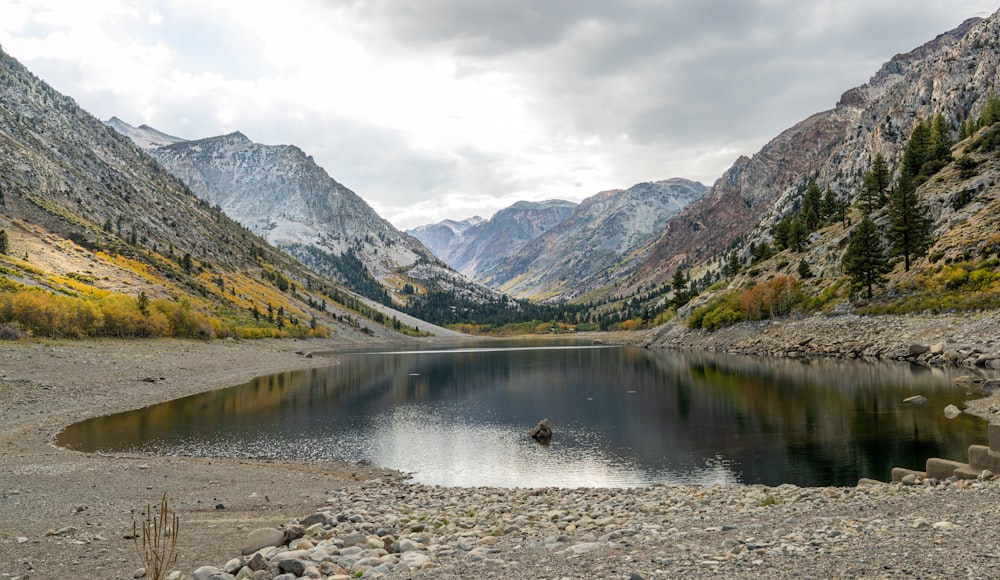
[820, 422]
[830, 421]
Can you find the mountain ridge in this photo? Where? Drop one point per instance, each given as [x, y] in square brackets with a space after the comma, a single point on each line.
[98, 228]
[281, 194]
[834, 147]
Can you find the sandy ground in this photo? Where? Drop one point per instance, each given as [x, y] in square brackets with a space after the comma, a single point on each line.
[45, 386]
[94, 499]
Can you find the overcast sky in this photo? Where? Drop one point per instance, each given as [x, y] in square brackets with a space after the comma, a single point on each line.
[437, 109]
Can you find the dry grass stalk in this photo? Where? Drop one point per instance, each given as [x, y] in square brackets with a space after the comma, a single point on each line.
[158, 552]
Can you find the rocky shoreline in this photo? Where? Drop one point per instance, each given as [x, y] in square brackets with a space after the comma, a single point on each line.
[969, 340]
[68, 514]
[389, 529]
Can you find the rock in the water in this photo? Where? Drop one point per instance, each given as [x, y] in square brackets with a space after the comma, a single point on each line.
[918, 349]
[262, 538]
[542, 431]
[915, 400]
[951, 411]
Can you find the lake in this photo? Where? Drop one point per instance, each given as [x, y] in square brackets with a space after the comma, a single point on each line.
[622, 417]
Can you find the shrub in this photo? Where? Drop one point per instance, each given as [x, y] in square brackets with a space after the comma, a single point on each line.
[717, 313]
[776, 297]
[11, 331]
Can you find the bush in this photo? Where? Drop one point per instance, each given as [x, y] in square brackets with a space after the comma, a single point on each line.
[11, 331]
[719, 312]
[774, 298]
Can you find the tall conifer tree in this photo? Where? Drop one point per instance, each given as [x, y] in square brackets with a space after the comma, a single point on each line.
[910, 228]
[865, 260]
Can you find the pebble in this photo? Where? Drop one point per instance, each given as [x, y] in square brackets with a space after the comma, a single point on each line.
[392, 529]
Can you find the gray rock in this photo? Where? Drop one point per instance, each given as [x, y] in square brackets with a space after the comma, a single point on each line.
[292, 566]
[318, 518]
[262, 538]
[918, 349]
[258, 562]
[206, 573]
[233, 566]
[909, 479]
[583, 548]
[416, 560]
[951, 411]
[407, 545]
[915, 400]
[542, 432]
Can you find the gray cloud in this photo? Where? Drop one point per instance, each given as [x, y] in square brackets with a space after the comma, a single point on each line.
[671, 74]
[664, 88]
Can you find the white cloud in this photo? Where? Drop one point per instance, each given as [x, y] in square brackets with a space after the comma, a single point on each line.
[449, 108]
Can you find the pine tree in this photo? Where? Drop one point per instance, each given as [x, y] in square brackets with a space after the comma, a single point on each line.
[781, 231]
[4, 242]
[679, 285]
[875, 184]
[918, 148]
[733, 266]
[865, 260]
[762, 252]
[829, 206]
[941, 140]
[811, 202]
[798, 235]
[991, 112]
[804, 271]
[910, 228]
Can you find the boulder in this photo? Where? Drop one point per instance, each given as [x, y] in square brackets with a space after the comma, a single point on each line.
[915, 400]
[262, 538]
[918, 349]
[542, 432]
[951, 411]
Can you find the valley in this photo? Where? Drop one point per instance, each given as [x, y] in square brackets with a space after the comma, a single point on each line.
[138, 267]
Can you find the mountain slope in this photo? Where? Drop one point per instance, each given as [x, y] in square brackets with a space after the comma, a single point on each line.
[952, 74]
[90, 216]
[144, 136]
[479, 250]
[572, 258]
[440, 238]
[280, 194]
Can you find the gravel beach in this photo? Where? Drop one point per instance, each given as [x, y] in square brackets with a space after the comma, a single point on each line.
[65, 514]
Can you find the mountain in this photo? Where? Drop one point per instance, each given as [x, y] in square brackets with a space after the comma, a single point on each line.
[480, 249]
[100, 240]
[573, 258]
[144, 136]
[440, 237]
[953, 74]
[279, 193]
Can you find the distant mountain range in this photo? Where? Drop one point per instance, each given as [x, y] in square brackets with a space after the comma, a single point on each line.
[557, 250]
[82, 202]
[280, 194]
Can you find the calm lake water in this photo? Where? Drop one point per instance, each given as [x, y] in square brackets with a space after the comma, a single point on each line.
[622, 417]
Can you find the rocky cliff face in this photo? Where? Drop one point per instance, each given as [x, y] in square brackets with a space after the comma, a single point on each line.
[280, 194]
[953, 74]
[575, 256]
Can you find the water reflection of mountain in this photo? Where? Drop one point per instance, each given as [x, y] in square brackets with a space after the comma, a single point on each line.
[661, 413]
